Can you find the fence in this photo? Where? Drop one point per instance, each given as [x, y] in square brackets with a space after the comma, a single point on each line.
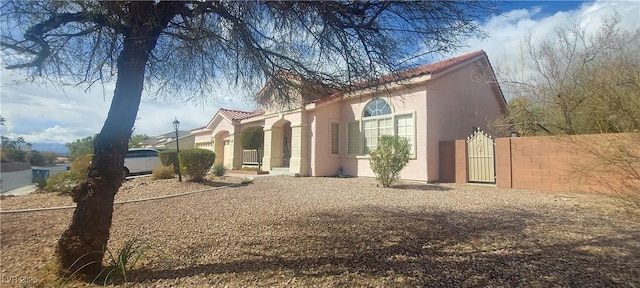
[250, 157]
[602, 163]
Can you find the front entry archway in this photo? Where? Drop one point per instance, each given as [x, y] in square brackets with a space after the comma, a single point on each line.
[222, 149]
[277, 145]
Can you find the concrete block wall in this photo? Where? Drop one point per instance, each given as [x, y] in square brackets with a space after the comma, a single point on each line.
[544, 163]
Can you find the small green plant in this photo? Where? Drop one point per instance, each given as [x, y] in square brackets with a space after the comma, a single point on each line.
[169, 158]
[163, 172]
[197, 162]
[40, 181]
[63, 182]
[389, 158]
[247, 181]
[120, 264]
[219, 170]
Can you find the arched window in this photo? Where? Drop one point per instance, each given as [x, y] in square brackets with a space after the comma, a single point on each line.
[378, 119]
[376, 107]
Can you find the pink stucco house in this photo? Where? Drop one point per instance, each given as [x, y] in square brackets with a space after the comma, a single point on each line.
[325, 135]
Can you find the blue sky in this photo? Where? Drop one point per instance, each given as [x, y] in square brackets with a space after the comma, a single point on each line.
[61, 115]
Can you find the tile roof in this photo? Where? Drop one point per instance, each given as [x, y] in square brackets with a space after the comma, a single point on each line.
[239, 115]
[410, 73]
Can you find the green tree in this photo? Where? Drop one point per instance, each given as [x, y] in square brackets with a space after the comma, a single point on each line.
[80, 147]
[389, 158]
[252, 139]
[136, 140]
[193, 46]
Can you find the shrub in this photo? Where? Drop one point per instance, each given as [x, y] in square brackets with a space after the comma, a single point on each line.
[81, 164]
[63, 182]
[163, 172]
[169, 158]
[40, 181]
[391, 156]
[218, 170]
[197, 162]
[250, 168]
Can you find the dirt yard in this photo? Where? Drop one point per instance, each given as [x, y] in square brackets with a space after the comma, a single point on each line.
[332, 232]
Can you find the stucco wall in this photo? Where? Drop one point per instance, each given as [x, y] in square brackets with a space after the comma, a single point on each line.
[455, 104]
[411, 100]
[322, 162]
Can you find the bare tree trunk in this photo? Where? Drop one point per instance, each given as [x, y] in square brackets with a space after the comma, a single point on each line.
[81, 246]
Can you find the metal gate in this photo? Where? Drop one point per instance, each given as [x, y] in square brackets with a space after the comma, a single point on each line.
[480, 154]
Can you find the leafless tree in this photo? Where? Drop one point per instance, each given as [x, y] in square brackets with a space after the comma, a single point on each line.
[578, 82]
[193, 46]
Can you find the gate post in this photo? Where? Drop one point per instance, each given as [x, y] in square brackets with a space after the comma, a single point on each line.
[461, 161]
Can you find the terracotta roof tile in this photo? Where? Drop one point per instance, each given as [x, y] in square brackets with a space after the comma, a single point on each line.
[410, 73]
[239, 115]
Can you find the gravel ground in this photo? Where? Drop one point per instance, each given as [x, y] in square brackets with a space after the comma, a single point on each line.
[332, 232]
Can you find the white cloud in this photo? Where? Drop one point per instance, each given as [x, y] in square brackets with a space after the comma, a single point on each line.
[508, 31]
[50, 114]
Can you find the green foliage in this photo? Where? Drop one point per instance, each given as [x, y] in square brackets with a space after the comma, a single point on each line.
[250, 168]
[252, 139]
[197, 162]
[169, 158]
[136, 140]
[219, 170]
[11, 153]
[38, 158]
[81, 165]
[247, 181]
[40, 181]
[389, 158]
[119, 265]
[63, 182]
[163, 172]
[80, 147]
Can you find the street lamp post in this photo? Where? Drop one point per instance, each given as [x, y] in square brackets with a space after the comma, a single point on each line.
[176, 126]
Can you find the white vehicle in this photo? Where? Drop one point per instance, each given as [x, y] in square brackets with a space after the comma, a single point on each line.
[142, 160]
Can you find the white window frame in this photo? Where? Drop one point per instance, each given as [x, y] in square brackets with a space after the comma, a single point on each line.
[332, 139]
[363, 148]
[358, 137]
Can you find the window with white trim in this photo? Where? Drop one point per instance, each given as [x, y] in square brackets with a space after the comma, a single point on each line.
[335, 140]
[404, 128]
[378, 119]
[353, 138]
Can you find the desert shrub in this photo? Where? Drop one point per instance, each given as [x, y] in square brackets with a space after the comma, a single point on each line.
[40, 181]
[163, 172]
[389, 158]
[196, 162]
[81, 164]
[169, 158]
[218, 170]
[63, 182]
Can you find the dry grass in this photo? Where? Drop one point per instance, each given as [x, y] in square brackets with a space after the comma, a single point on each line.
[284, 232]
